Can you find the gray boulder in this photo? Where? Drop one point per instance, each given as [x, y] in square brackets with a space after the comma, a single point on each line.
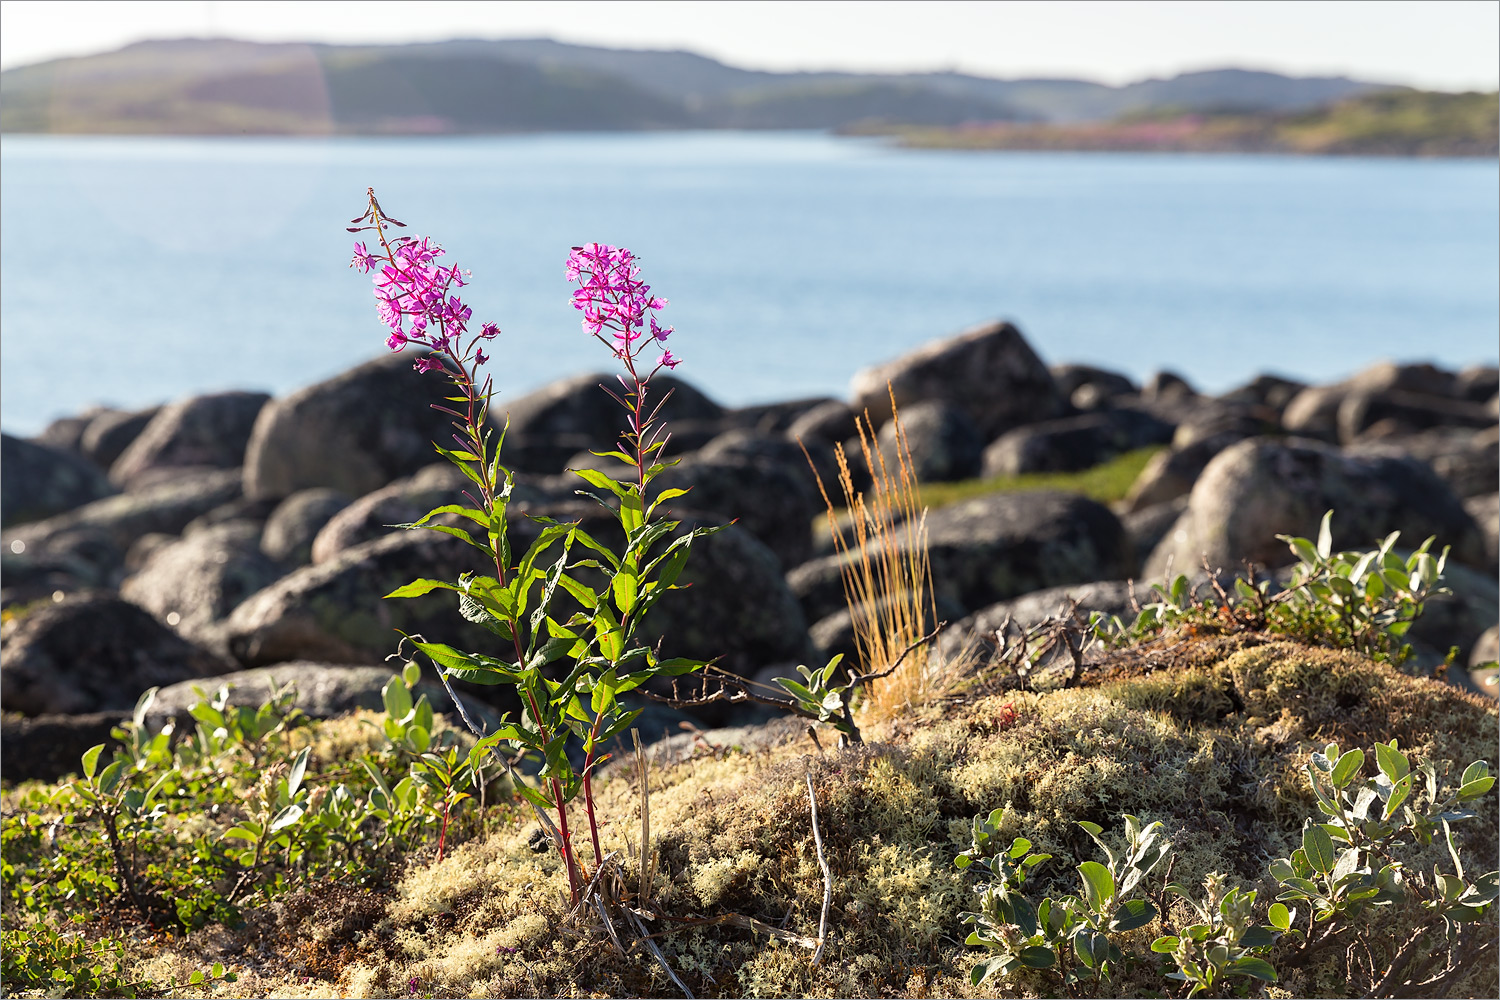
[831, 421]
[993, 548]
[1171, 474]
[559, 420]
[402, 502]
[1466, 459]
[1407, 411]
[1166, 386]
[1271, 391]
[47, 747]
[774, 503]
[94, 653]
[295, 523]
[67, 432]
[1089, 388]
[1073, 443]
[95, 537]
[324, 691]
[771, 418]
[40, 481]
[989, 372]
[1259, 488]
[1485, 510]
[354, 432]
[207, 430]
[943, 443]
[1477, 383]
[836, 633]
[110, 433]
[1314, 412]
[1148, 525]
[193, 584]
[1460, 618]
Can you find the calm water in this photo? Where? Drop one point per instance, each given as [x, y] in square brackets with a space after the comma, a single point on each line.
[140, 270]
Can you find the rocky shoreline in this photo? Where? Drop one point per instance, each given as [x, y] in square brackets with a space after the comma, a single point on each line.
[235, 532]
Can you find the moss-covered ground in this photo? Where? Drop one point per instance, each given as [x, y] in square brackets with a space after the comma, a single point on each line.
[1209, 736]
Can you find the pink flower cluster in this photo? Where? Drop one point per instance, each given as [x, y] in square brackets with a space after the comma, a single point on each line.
[414, 297]
[612, 297]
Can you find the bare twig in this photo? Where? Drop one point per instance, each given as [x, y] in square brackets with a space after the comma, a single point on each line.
[1398, 965]
[812, 800]
[645, 785]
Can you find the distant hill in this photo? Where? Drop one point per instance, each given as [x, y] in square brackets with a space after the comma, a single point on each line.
[1385, 123]
[219, 86]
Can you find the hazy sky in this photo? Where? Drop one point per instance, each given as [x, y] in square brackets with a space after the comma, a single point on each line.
[1443, 45]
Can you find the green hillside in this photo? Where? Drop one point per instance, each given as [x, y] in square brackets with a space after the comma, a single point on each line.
[1387, 123]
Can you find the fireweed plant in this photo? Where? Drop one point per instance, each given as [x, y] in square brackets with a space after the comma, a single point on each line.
[569, 673]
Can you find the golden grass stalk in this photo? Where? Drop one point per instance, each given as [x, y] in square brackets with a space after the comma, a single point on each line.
[886, 573]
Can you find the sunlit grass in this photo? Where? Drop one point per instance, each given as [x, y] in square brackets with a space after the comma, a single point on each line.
[1105, 483]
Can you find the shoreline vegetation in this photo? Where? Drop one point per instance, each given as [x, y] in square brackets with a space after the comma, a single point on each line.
[520, 86]
[1389, 123]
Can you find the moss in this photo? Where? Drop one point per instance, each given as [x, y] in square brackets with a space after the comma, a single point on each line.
[1213, 747]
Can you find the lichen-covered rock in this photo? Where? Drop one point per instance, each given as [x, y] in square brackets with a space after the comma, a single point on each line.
[989, 372]
[40, 481]
[295, 522]
[1259, 488]
[354, 432]
[105, 529]
[194, 583]
[1461, 617]
[1073, 443]
[334, 611]
[66, 433]
[993, 548]
[94, 653]
[207, 431]
[1477, 383]
[942, 442]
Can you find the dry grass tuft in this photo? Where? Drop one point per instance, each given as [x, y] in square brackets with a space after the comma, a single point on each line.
[888, 582]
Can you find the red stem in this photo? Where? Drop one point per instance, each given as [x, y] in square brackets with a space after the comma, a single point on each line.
[443, 834]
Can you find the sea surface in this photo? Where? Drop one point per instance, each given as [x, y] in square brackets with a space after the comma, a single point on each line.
[140, 270]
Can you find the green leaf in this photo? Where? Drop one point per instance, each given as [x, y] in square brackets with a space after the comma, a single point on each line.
[419, 587]
[299, 768]
[1037, 957]
[1280, 916]
[90, 760]
[195, 977]
[216, 970]
[1319, 848]
[1165, 944]
[1257, 968]
[1325, 536]
[1347, 767]
[111, 777]
[1399, 792]
[1099, 884]
[1474, 772]
[1132, 914]
[286, 817]
[1474, 789]
[1393, 763]
[397, 698]
[985, 969]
